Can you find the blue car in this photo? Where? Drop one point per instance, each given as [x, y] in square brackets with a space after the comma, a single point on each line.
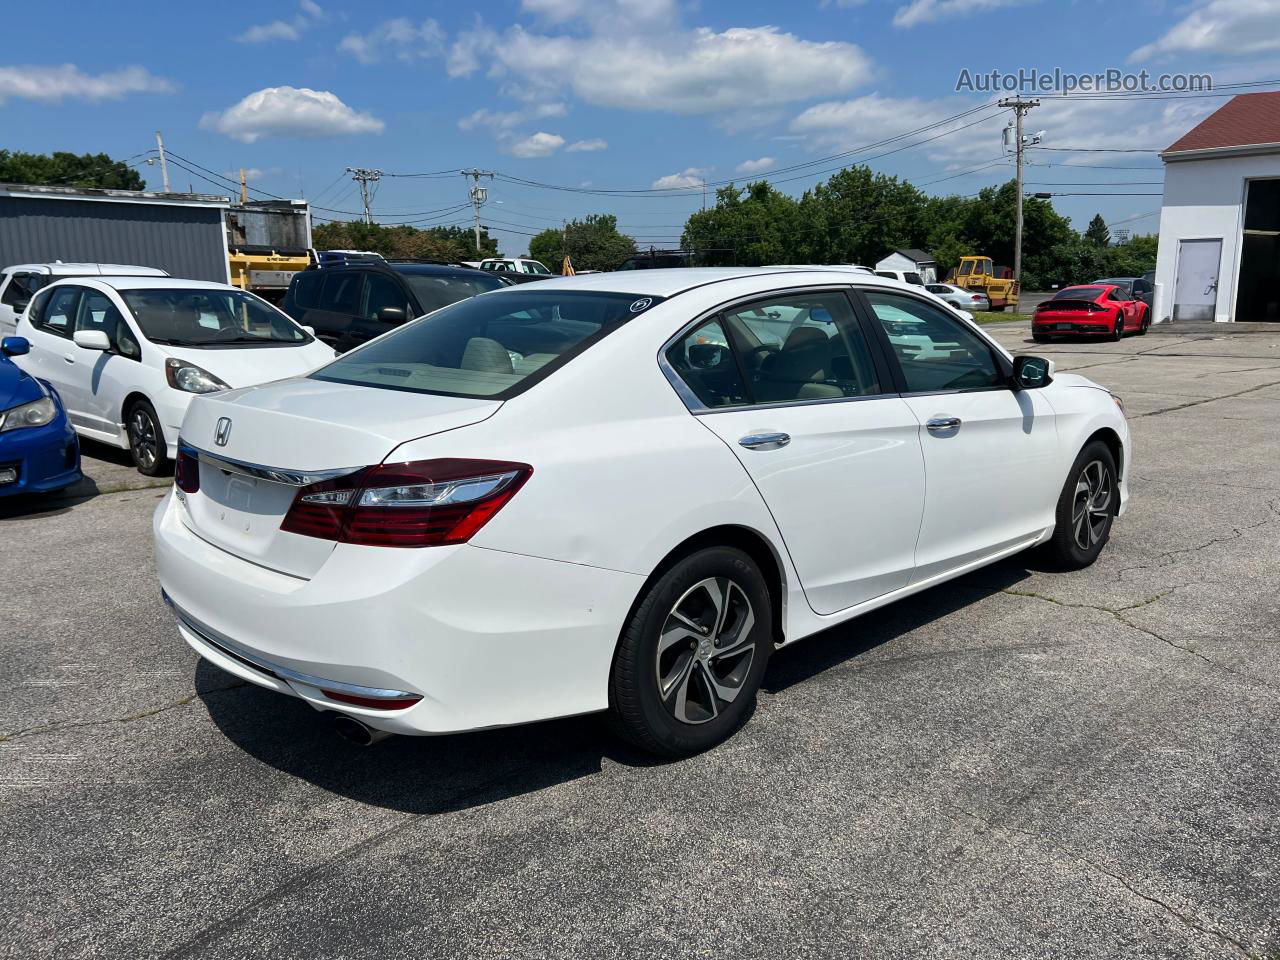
[38, 448]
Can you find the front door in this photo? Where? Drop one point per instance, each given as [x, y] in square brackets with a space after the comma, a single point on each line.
[1195, 290]
[990, 452]
[799, 400]
[53, 356]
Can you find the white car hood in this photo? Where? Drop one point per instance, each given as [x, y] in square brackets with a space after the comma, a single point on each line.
[247, 366]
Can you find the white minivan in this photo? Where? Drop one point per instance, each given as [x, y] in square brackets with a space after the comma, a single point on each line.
[19, 283]
[128, 353]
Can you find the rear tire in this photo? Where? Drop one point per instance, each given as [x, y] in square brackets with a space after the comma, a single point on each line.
[1146, 323]
[1040, 338]
[692, 654]
[1118, 333]
[1086, 509]
[146, 440]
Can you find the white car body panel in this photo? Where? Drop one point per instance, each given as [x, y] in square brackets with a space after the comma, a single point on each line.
[95, 384]
[864, 506]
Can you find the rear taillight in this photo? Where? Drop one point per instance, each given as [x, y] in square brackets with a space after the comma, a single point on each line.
[373, 703]
[426, 503]
[186, 469]
[976, 298]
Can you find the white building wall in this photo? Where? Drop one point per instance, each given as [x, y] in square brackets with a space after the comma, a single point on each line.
[896, 261]
[1204, 200]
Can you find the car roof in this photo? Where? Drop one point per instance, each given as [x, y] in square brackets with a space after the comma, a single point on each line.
[669, 282]
[90, 269]
[145, 283]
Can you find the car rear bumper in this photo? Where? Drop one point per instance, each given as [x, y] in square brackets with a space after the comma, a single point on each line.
[45, 458]
[1074, 328]
[485, 638]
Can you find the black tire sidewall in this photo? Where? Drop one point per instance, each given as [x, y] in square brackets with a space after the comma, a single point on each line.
[162, 454]
[635, 703]
[1062, 545]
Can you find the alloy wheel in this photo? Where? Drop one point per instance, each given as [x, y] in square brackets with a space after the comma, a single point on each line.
[705, 650]
[142, 437]
[1091, 509]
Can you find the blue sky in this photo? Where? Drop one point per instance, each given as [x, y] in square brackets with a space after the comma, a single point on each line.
[625, 94]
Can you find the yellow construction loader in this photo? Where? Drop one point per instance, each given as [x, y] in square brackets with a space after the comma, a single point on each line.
[978, 273]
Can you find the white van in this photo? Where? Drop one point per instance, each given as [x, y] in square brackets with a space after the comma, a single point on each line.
[19, 283]
[906, 276]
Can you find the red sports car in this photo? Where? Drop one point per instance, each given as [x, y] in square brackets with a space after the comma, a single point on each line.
[1095, 309]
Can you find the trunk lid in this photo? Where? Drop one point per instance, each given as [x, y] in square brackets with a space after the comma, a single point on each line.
[285, 434]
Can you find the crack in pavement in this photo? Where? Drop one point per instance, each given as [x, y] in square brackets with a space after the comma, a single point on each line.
[1236, 534]
[1118, 614]
[1183, 918]
[1196, 403]
[140, 715]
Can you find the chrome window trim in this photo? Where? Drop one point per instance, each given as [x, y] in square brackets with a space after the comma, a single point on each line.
[293, 478]
[218, 640]
[691, 400]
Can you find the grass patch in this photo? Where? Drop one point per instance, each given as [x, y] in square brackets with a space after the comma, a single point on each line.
[1004, 316]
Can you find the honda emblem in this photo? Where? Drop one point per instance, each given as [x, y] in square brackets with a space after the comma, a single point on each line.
[222, 432]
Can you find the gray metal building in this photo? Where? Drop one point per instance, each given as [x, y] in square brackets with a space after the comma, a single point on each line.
[183, 233]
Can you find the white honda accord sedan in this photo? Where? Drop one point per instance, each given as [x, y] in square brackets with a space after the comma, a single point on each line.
[618, 492]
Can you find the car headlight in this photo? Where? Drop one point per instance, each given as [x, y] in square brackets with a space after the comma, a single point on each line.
[37, 413]
[187, 377]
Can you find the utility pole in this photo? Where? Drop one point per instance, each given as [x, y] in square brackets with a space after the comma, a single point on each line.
[478, 196]
[1020, 108]
[164, 167]
[244, 188]
[364, 176]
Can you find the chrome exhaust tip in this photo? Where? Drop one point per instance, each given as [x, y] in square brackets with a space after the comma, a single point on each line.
[361, 734]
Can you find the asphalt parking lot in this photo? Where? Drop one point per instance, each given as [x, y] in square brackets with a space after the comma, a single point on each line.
[1016, 764]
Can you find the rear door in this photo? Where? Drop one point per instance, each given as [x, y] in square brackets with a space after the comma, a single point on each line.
[14, 297]
[802, 402]
[337, 306]
[381, 290]
[53, 356]
[990, 452]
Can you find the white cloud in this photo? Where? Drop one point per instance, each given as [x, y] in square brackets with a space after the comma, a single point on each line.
[657, 64]
[69, 82]
[588, 146]
[400, 38]
[926, 11]
[1226, 27]
[689, 177]
[289, 112]
[756, 166]
[250, 174]
[537, 145]
[309, 13]
[843, 124]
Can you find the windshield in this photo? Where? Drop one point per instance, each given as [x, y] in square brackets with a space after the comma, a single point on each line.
[208, 318]
[534, 266]
[436, 290]
[1078, 293]
[490, 347]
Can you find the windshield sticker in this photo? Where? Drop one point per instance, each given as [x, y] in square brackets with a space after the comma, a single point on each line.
[642, 304]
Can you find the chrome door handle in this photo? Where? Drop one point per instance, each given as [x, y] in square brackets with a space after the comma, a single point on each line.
[943, 423]
[765, 441]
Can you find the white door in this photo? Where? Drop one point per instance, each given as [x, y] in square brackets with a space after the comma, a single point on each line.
[835, 456]
[1195, 290]
[107, 376]
[53, 355]
[990, 452]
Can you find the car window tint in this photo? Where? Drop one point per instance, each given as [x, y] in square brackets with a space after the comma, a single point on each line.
[306, 288]
[937, 288]
[704, 361]
[18, 290]
[382, 291]
[809, 347]
[60, 312]
[97, 312]
[341, 292]
[935, 350]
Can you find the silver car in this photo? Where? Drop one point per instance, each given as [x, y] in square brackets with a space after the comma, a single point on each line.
[971, 300]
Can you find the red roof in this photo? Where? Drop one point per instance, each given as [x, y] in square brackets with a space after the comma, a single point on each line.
[1246, 120]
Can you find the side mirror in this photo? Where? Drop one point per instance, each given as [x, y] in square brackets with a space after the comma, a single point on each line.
[15, 346]
[1032, 372]
[310, 330]
[392, 315]
[91, 340]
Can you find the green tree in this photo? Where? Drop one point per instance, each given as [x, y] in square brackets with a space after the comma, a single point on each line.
[592, 243]
[859, 216]
[68, 169]
[1097, 232]
[403, 241]
[750, 226]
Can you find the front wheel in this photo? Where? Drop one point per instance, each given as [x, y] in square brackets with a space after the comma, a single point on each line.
[146, 440]
[1086, 508]
[1146, 323]
[691, 657]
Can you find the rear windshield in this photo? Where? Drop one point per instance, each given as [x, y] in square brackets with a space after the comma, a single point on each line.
[492, 347]
[1078, 293]
[436, 290]
[209, 318]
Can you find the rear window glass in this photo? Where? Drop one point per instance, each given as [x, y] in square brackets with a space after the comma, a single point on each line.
[488, 347]
[1078, 293]
[436, 290]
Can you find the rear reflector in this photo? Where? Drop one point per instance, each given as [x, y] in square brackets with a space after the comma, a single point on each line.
[425, 503]
[186, 470]
[372, 703]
